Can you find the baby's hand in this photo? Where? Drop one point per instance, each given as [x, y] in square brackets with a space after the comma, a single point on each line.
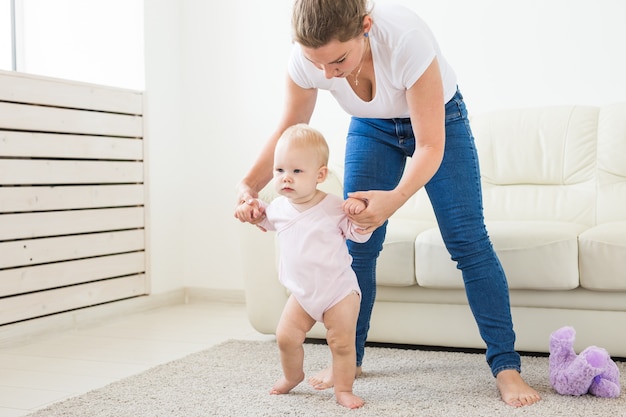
[353, 206]
[244, 212]
[250, 211]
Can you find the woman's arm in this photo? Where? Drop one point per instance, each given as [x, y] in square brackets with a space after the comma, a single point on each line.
[299, 106]
[427, 111]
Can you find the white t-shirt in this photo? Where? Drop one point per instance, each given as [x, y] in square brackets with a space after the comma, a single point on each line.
[402, 46]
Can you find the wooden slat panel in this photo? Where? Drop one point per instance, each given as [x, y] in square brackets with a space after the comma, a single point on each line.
[42, 303]
[71, 195]
[61, 274]
[40, 251]
[48, 145]
[20, 199]
[31, 172]
[24, 88]
[57, 223]
[59, 120]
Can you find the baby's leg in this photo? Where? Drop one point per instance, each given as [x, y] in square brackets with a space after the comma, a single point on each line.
[292, 328]
[340, 321]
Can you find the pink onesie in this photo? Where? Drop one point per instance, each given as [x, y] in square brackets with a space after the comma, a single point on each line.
[314, 265]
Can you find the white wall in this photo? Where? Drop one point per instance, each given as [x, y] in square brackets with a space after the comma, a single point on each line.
[215, 74]
[165, 145]
[535, 52]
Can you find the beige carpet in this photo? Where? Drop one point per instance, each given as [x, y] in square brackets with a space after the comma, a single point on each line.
[233, 379]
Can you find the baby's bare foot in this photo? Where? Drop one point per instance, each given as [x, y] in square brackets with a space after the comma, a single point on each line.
[349, 400]
[283, 385]
[514, 390]
[324, 378]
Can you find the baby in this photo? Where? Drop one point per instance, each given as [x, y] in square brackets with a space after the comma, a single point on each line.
[315, 265]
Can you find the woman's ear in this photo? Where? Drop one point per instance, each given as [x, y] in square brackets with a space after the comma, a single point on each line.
[322, 174]
[367, 24]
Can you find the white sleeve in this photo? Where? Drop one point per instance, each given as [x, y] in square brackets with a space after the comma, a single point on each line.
[414, 54]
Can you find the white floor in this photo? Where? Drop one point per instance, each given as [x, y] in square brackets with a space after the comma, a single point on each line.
[70, 363]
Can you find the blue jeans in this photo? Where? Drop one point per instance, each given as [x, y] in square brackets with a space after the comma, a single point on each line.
[376, 152]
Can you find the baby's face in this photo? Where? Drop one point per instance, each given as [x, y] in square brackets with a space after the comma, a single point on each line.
[296, 173]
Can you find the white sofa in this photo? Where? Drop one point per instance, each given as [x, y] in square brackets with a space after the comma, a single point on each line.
[554, 189]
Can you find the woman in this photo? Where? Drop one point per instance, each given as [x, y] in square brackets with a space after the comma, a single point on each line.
[385, 69]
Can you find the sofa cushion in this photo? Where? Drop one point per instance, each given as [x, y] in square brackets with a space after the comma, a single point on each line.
[603, 257]
[534, 255]
[611, 168]
[395, 266]
[538, 164]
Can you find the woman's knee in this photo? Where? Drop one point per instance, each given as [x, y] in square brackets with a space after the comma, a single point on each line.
[472, 252]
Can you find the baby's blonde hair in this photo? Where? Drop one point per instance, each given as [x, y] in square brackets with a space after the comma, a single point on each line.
[304, 136]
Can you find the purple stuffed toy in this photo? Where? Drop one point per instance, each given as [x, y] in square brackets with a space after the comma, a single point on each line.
[593, 371]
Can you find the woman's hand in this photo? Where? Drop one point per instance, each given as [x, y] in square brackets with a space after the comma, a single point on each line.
[379, 206]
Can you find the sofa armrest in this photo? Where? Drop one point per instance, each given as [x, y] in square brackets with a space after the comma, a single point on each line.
[265, 295]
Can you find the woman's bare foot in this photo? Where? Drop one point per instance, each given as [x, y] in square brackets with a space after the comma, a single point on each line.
[514, 390]
[349, 400]
[283, 385]
[324, 378]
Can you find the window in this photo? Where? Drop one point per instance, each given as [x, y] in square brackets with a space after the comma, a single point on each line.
[96, 41]
[6, 50]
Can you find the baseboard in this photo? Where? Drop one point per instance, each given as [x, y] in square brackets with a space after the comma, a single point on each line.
[29, 330]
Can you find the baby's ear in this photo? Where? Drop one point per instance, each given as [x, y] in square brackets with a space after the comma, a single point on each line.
[322, 174]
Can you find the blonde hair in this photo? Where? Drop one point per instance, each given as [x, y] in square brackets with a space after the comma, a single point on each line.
[317, 22]
[303, 136]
